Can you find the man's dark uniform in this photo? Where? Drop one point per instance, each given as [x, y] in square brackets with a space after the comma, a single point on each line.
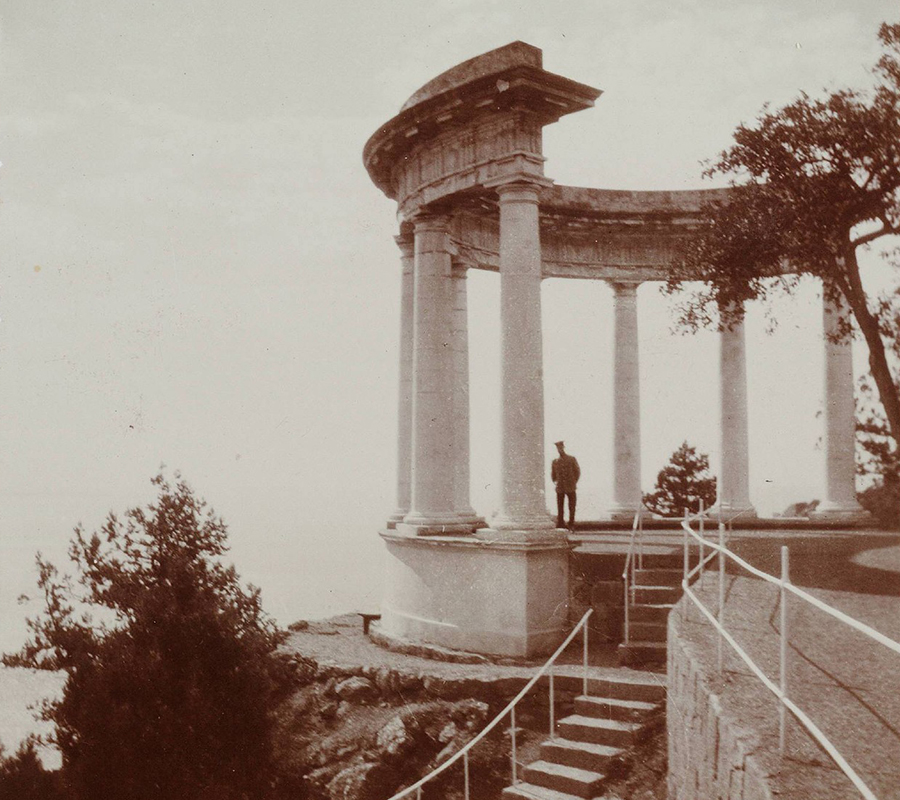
[565, 472]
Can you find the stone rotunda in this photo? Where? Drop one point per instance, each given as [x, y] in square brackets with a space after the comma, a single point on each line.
[463, 160]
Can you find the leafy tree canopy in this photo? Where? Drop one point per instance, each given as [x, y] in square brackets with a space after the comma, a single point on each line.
[682, 484]
[172, 666]
[811, 183]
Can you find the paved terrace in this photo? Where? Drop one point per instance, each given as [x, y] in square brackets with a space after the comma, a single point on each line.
[846, 682]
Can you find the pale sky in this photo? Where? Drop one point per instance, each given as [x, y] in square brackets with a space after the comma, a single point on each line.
[197, 271]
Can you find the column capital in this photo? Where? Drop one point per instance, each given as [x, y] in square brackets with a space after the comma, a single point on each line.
[430, 221]
[521, 187]
[624, 288]
[406, 241]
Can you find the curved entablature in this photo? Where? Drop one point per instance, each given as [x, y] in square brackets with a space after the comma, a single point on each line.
[480, 124]
[588, 233]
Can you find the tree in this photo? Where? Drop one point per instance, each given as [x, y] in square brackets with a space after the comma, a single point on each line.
[878, 461]
[812, 183]
[682, 484]
[172, 667]
[23, 777]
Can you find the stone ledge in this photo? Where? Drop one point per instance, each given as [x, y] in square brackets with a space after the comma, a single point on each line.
[423, 650]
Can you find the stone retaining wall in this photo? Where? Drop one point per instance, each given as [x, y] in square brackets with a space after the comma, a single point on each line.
[711, 755]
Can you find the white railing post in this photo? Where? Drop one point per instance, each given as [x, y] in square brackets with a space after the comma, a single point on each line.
[512, 719]
[721, 613]
[702, 540]
[702, 522]
[684, 603]
[466, 775]
[785, 579]
[552, 717]
[633, 567]
[640, 516]
[419, 793]
[584, 680]
[627, 615]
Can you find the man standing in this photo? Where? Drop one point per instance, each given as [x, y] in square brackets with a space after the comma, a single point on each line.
[565, 472]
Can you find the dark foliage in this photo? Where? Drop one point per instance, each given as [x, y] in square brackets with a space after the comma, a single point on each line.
[173, 673]
[23, 777]
[682, 484]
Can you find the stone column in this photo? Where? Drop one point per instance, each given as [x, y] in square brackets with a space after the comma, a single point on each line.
[405, 242]
[432, 504]
[522, 503]
[626, 405]
[734, 474]
[839, 503]
[461, 405]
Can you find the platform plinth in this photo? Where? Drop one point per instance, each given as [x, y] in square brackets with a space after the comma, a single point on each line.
[493, 593]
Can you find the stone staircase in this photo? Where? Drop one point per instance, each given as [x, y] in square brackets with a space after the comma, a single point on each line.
[657, 587]
[593, 743]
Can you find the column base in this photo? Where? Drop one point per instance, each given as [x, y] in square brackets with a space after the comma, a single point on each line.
[470, 517]
[540, 521]
[514, 600]
[847, 512]
[622, 511]
[417, 524]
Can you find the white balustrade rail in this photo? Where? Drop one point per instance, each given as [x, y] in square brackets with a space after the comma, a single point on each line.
[510, 710]
[780, 690]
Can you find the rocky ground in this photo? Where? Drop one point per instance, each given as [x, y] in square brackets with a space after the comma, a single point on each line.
[367, 722]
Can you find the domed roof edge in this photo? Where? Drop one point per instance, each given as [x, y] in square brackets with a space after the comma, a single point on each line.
[511, 55]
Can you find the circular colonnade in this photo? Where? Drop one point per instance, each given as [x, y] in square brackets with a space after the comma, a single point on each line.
[463, 160]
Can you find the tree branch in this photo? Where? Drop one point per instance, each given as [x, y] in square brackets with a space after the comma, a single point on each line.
[869, 237]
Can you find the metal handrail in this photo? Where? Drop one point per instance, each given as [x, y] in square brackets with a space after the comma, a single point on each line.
[509, 709]
[786, 587]
[637, 533]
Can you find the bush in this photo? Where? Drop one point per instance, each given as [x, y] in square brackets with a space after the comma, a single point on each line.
[173, 674]
[682, 484]
[23, 777]
[882, 501]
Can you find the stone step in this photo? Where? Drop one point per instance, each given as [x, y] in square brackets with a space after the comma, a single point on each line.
[658, 577]
[634, 685]
[562, 778]
[584, 755]
[636, 653]
[531, 791]
[613, 708]
[599, 731]
[655, 595]
[649, 612]
[648, 631]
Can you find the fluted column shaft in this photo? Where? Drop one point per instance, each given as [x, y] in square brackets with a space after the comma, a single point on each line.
[734, 475]
[840, 419]
[432, 500]
[404, 399]
[522, 503]
[461, 404]
[626, 404]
